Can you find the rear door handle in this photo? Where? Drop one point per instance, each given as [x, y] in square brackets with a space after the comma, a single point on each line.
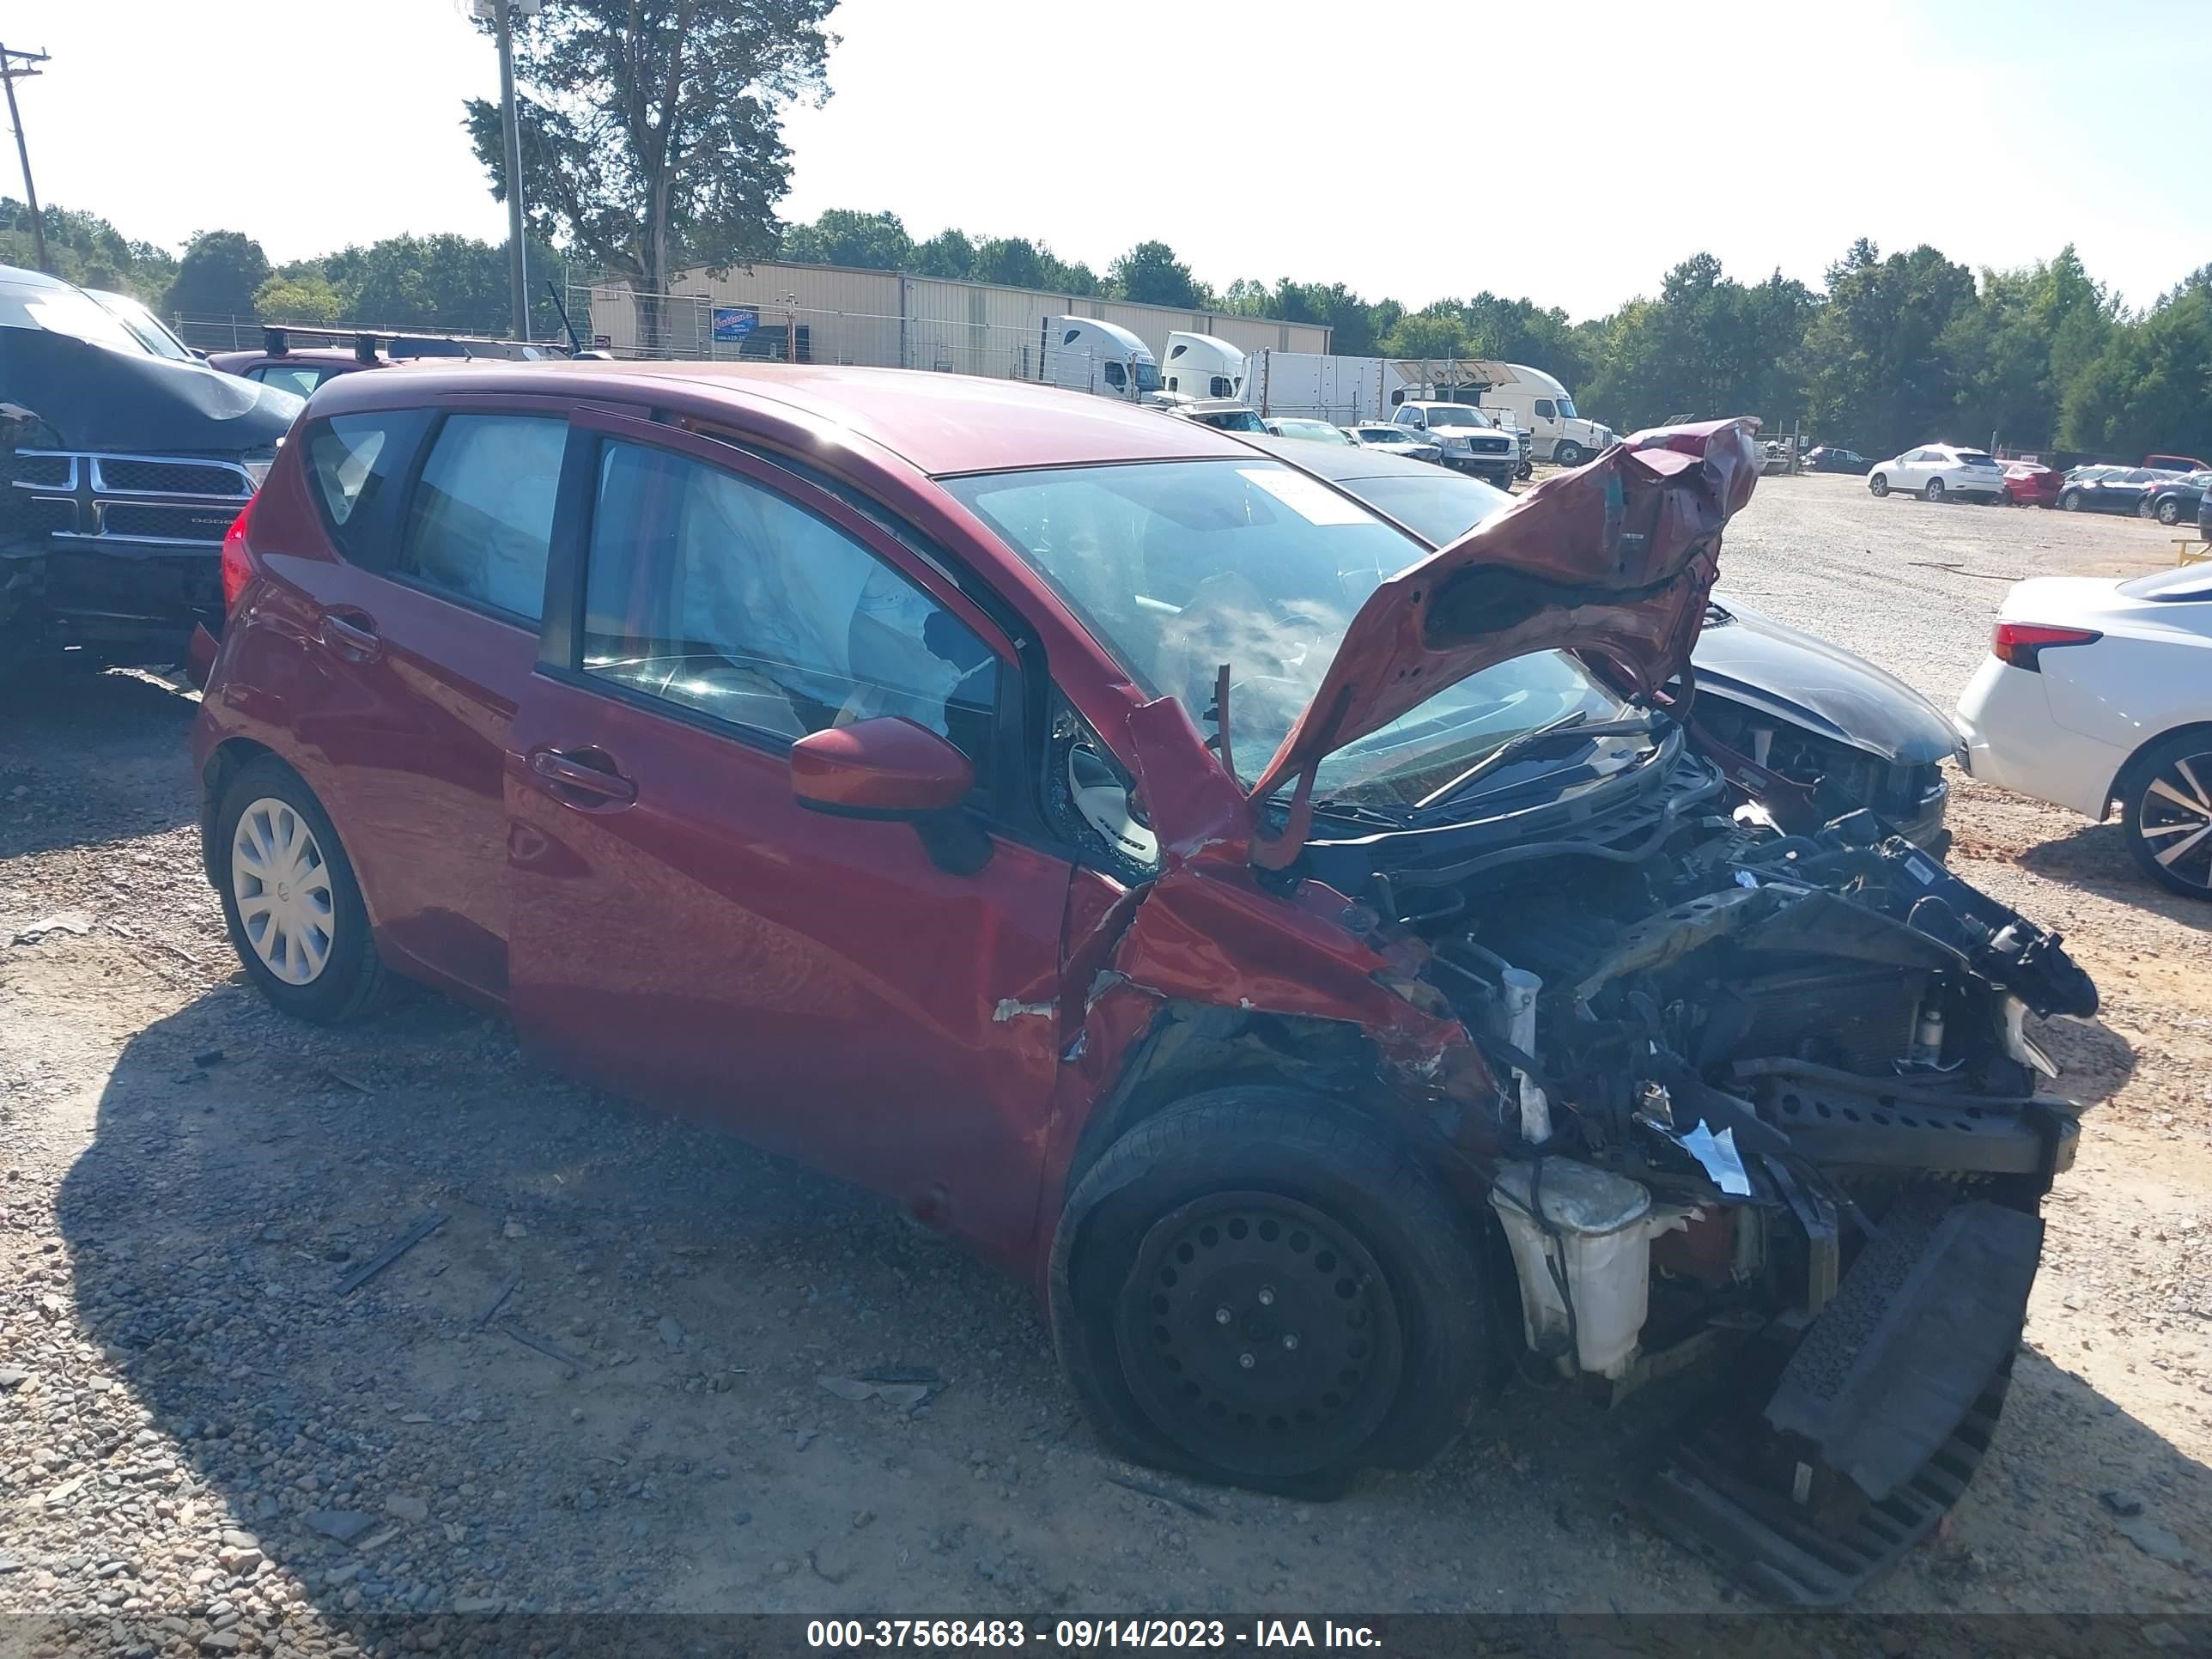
[357, 638]
[566, 776]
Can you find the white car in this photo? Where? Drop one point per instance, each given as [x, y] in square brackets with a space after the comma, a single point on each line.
[1938, 473]
[2096, 689]
[1395, 440]
[1320, 432]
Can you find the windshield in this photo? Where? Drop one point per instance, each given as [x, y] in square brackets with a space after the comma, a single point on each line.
[1321, 431]
[1455, 414]
[1439, 509]
[1567, 408]
[2182, 586]
[64, 310]
[1148, 375]
[1235, 420]
[1178, 567]
[148, 330]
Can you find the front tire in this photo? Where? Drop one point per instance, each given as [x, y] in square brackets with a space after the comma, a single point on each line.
[2070, 500]
[2166, 797]
[1567, 454]
[290, 899]
[1878, 485]
[1260, 1287]
[1934, 492]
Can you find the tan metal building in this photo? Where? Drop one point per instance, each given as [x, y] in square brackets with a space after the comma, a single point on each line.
[836, 313]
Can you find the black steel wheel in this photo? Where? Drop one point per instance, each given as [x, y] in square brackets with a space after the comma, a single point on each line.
[2166, 795]
[1256, 1331]
[1268, 1288]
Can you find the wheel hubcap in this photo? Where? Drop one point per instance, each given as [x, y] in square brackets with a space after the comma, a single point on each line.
[2176, 820]
[1259, 1335]
[282, 885]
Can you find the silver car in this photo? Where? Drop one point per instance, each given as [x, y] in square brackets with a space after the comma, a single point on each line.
[1395, 440]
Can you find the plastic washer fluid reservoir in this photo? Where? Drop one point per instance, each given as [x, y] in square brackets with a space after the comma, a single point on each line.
[1604, 1249]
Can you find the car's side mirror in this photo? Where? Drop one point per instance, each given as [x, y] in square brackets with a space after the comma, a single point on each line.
[890, 768]
[886, 768]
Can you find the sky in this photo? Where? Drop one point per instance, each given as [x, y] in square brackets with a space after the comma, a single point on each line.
[1571, 154]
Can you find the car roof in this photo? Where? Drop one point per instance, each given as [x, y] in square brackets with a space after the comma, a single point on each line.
[20, 276]
[937, 423]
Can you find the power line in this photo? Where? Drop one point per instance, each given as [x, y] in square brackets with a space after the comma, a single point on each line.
[10, 73]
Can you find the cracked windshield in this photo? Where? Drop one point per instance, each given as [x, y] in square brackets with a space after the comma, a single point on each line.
[1179, 566]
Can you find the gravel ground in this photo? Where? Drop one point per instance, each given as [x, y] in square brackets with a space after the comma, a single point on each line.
[598, 1382]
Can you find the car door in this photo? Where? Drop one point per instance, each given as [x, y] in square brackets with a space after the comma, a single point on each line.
[424, 631]
[684, 930]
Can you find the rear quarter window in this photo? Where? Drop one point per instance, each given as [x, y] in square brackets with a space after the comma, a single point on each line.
[355, 463]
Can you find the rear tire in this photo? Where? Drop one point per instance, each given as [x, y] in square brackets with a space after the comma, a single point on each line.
[1934, 491]
[1352, 1285]
[1878, 485]
[2169, 512]
[2166, 798]
[323, 966]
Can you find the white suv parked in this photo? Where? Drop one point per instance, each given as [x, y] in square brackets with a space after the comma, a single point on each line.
[1936, 472]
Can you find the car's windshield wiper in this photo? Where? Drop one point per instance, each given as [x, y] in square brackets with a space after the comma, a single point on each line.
[1513, 747]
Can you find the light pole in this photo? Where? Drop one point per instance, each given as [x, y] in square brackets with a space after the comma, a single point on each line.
[501, 13]
[11, 74]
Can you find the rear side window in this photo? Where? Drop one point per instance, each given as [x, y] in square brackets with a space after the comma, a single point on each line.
[355, 463]
[483, 516]
[704, 589]
[299, 381]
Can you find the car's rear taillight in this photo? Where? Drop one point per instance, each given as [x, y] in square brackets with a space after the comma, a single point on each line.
[2022, 644]
[237, 559]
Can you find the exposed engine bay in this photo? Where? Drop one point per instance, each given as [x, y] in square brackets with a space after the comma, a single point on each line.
[1748, 1079]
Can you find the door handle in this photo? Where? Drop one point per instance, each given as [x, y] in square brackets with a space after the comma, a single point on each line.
[359, 639]
[604, 786]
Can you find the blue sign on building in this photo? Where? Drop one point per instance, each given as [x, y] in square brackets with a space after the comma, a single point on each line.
[733, 323]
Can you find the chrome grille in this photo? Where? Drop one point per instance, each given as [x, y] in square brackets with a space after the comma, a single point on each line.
[141, 519]
[141, 475]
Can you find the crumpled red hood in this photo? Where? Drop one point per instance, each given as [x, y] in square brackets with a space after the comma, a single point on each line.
[1612, 561]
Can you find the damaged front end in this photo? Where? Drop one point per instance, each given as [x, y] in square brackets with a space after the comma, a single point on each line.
[1725, 1082]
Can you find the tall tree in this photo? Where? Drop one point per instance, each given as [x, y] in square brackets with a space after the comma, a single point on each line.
[948, 253]
[1150, 274]
[872, 242]
[1879, 374]
[651, 137]
[217, 276]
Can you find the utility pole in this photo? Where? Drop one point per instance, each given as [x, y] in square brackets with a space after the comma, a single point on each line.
[10, 73]
[518, 277]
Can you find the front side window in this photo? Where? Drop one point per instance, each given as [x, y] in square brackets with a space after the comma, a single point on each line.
[704, 589]
[1178, 567]
[1116, 377]
[482, 515]
[1544, 410]
[1221, 386]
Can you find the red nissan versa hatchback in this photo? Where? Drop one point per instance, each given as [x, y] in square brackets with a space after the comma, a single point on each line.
[1322, 968]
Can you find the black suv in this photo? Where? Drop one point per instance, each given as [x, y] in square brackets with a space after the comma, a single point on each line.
[120, 470]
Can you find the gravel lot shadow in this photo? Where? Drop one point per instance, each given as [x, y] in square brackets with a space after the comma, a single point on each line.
[90, 758]
[2095, 857]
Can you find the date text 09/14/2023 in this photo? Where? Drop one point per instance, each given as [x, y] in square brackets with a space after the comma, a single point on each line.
[1086, 1633]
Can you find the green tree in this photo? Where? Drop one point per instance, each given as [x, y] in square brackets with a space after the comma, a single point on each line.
[1150, 274]
[1879, 374]
[2150, 388]
[652, 139]
[1433, 333]
[872, 242]
[305, 297]
[217, 276]
[948, 253]
[1247, 297]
